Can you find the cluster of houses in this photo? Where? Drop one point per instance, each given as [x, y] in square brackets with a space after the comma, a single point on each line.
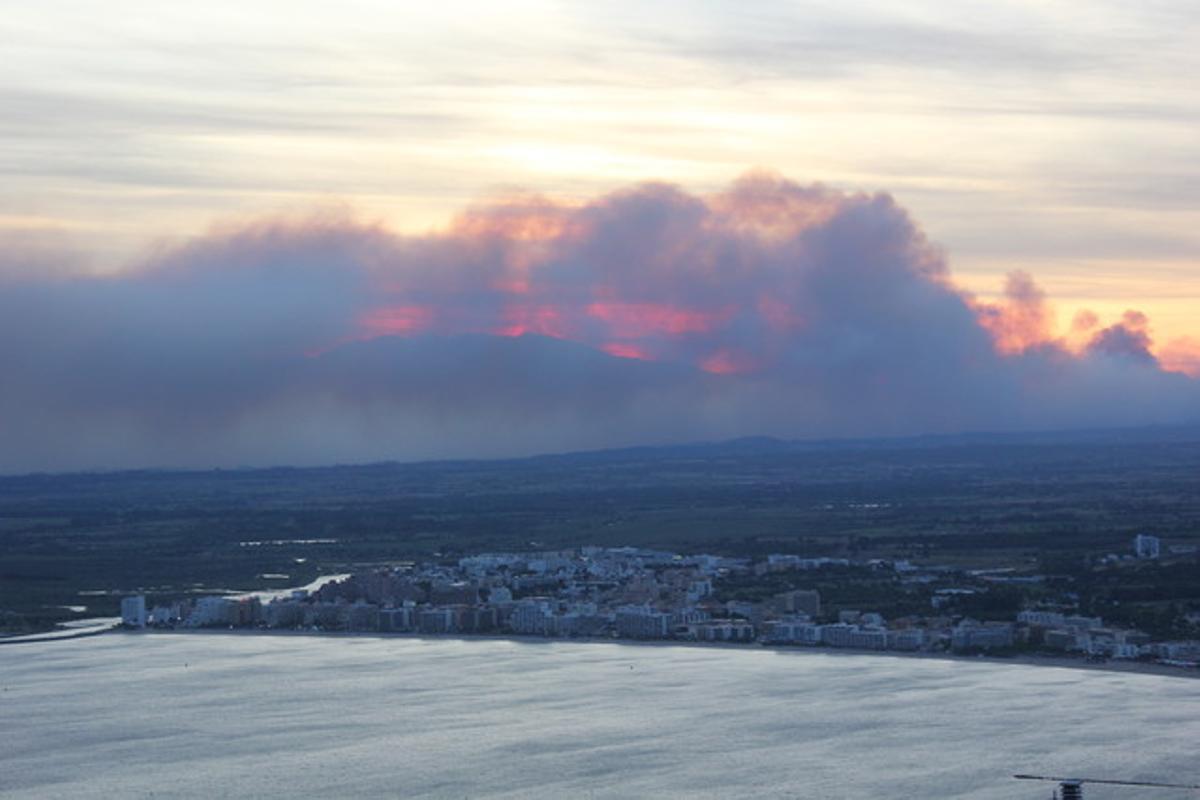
[636, 593]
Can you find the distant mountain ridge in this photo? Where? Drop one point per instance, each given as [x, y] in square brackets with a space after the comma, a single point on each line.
[743, 446]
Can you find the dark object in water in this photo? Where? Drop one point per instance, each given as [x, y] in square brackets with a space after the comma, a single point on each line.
[1072, 788]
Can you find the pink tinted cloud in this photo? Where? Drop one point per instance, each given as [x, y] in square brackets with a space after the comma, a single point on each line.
[650, 314]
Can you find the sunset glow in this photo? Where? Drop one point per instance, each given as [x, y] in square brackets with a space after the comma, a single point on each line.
[1012, 131]
[470, 229]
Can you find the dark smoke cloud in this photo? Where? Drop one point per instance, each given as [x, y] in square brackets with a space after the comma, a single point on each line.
[1129, 338]
[646, 316]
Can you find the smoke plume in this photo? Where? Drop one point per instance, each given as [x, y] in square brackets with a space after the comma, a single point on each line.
[648, 315]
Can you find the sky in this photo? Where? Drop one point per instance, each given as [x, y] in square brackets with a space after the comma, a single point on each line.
[295, 233]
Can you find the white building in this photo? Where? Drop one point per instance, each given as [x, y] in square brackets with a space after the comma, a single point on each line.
[642, 622]
[436, 620]
[532, 616]
[1147, 546]
[843, 635]
[972, 635]
[723, 630]
[800, 630]
[163, 615]
[133, 611]
[777, 562]
[689, 615]
[210, 611]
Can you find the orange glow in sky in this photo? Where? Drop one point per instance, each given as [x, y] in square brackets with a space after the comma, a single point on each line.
[1015, 132]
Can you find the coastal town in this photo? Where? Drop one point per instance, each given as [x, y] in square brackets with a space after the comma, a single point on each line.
[629, 593]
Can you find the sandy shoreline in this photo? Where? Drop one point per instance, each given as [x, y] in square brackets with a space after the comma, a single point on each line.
[1129, 667]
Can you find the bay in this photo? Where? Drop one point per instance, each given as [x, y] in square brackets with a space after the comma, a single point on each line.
[236, 715]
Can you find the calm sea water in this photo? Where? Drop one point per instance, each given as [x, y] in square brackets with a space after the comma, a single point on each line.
[206, 716]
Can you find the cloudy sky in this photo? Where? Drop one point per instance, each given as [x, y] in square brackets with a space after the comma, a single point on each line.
[270, 231]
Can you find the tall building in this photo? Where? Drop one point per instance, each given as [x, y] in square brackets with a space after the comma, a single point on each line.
[133, 611]
[1146, 546]
[212, 610]
[531, 616]
[642, 622]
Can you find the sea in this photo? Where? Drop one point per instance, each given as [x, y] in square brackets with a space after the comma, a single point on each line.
[236, 715]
